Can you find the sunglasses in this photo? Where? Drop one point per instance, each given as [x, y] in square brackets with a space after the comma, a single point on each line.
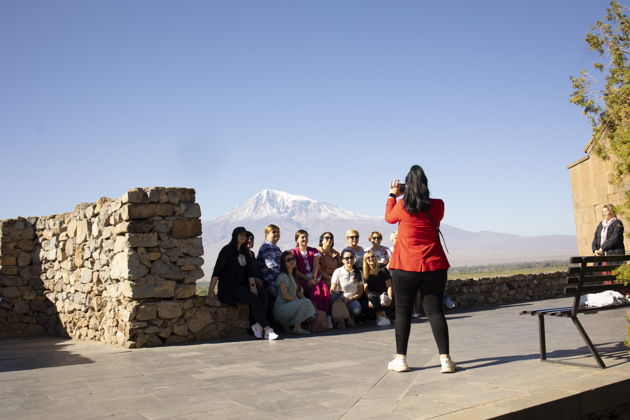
[353, 237]
[327, 237]
[376, 238]
[290, 259]
[348, 258]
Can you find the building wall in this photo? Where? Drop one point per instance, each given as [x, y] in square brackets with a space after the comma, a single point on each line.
[591, 190]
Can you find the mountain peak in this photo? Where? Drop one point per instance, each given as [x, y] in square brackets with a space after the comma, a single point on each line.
[273, 203]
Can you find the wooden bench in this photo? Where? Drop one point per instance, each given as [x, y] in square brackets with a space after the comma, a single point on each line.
[585, 275]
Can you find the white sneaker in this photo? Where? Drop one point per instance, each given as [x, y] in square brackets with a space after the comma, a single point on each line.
[448, 366]
[271, 335]
[398, 364]
[449, 303]
[258, 330]
[382, 321]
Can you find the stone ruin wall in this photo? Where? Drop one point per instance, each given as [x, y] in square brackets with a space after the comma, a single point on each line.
[506, 290]
[118, 271]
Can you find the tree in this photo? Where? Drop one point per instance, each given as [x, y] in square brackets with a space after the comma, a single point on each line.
[607, 104]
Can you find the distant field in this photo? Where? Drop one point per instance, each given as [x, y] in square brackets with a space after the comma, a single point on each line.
[477, 271]
[508, 269]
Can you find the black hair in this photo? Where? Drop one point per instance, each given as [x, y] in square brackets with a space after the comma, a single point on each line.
[332, 239]
[283, 264]
[355, 269]
[234, 242]
[416, 197]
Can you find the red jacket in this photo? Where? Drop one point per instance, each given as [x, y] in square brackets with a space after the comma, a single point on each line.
[418, 246]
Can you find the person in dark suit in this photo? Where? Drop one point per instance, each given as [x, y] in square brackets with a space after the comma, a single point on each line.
[608, 238]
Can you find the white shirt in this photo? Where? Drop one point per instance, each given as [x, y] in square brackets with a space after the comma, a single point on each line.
[346, 281]
[383, 255]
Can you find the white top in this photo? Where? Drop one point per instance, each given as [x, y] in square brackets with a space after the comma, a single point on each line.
[383, 255]
[346, 281]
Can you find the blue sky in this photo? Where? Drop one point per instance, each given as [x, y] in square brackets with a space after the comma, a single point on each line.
[328, 99]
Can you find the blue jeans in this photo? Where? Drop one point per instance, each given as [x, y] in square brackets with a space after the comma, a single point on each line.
[354, 307]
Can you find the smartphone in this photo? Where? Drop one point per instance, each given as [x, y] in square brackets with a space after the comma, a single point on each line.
[402, 188]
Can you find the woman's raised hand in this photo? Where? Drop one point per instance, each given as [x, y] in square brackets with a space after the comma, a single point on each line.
[393, 187]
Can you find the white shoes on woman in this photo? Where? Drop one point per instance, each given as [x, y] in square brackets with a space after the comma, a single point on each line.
[399, 364]
[448, 366]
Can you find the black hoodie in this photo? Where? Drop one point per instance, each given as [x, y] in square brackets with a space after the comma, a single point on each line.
[230, 271]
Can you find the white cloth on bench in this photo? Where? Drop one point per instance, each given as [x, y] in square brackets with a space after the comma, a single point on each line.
[606, 298]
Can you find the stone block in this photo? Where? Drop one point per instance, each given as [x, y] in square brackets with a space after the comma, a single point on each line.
[145, 240]
[135, 195]
[26, 245]
[193, 210]
[23, 259]
[181, 330]
[184, 291]
[146, 312]
[83, 229]
[146, 211]
[12, 281]
[8, 260]
[10, 292]
[162, 226]
[200, 320]
[186, 228]
[126, 265]
[198, 261]
[169, 310]
[10, 270]
[193, 276]
[166, 271]
[192, 247]
[153, 289]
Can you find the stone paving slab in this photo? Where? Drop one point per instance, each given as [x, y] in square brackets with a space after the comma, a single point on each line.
[327, 376]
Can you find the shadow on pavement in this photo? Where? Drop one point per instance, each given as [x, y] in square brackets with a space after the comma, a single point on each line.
[35, 353]
[614, 350]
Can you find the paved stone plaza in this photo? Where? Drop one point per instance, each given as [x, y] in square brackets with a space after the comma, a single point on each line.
[327, 376]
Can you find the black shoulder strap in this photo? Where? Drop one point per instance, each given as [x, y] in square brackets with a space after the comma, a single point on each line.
[437, 227]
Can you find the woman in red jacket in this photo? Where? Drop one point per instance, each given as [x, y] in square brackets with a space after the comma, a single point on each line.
[418, 263]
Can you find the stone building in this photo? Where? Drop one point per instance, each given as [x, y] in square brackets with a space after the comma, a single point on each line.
[591, 186]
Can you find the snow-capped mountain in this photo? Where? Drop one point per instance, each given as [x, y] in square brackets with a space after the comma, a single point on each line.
[272, 203]
[292, 212]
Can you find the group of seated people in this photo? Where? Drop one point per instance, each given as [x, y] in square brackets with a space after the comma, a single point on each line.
[289, 288]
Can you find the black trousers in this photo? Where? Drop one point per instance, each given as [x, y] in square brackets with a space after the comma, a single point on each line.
[375, 299]
[431, 285]
[257, 303]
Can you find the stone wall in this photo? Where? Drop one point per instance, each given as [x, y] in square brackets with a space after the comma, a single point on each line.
[505, 290]
[119, 271]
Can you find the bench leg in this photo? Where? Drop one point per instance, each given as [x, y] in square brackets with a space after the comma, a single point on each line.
[588, 342]
[541, 334]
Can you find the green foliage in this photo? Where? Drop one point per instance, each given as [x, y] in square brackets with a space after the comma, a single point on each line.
[607, 104]
[623, 274]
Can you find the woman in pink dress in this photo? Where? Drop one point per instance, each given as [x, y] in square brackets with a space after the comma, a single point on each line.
[307, 258]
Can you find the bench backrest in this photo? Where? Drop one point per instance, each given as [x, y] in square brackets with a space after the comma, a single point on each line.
[590, 275]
